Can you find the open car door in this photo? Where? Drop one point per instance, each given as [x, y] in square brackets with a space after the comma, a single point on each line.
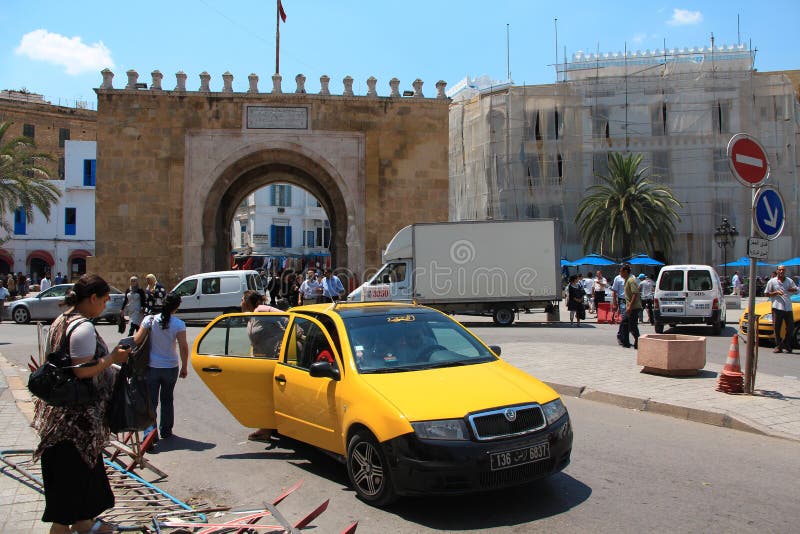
[235, 356]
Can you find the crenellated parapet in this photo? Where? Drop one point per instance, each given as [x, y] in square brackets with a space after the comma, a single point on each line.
[133, 84]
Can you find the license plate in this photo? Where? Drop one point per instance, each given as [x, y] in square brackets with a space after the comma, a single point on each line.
[524, 455]
[671, 310]
[702, 306]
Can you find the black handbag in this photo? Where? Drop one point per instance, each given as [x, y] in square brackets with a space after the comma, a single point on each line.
[129, 408]
[122, 323]
[55, 383]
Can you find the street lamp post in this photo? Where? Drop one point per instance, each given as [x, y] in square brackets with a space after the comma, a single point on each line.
[725, 236]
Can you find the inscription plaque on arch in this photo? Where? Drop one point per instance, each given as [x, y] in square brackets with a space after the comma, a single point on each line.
[277, 118]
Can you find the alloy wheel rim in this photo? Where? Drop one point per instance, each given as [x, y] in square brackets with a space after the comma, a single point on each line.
[367, 470]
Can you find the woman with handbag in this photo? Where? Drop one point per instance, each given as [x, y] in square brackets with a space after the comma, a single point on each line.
[167, 340]
[76, 487]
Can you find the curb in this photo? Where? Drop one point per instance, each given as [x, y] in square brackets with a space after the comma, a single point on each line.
[696, 415]
[19, 390]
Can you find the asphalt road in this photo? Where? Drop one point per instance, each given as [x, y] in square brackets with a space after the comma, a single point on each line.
[631, 471]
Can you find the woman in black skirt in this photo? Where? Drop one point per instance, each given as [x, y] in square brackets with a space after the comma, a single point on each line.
[76, 487]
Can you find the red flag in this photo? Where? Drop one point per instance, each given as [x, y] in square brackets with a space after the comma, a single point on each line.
[281, 12]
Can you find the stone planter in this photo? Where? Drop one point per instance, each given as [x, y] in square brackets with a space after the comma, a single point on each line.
[671, 354]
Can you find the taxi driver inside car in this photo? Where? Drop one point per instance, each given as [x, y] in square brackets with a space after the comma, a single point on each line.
[410, 400]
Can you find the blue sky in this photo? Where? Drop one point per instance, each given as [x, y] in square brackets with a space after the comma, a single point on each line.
[58, 48]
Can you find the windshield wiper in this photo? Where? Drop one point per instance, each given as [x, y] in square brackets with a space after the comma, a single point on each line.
[384, 370]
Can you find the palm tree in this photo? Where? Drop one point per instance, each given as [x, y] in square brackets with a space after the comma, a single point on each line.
[627, 211]
[24, 179]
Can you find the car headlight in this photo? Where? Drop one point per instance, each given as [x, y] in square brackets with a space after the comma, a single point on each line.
[767, 318]
[553, 411]
[449, 429]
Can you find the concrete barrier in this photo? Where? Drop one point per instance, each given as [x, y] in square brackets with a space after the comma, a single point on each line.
[671, 354]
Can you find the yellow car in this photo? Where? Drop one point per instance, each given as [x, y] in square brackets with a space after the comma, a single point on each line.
[408, 398]
[766, 331]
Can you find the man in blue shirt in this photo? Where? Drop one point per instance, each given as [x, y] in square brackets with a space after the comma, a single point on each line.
[332, 288]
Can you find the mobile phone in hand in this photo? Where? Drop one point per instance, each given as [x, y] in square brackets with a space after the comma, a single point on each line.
[126, 342]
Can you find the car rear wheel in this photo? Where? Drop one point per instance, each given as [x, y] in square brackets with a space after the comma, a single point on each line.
[368, 470]
[659, 328]
[21, 315]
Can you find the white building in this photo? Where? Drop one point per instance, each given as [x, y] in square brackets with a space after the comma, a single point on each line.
[62, 243]
[533, 151]
[281, 221]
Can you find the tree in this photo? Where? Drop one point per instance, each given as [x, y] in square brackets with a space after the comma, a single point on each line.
[627, 211]
[24, 179]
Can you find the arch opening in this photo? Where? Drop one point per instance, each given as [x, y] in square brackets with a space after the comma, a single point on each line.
[271, 168]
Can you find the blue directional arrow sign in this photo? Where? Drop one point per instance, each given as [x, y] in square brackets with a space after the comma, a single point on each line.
[768, 213]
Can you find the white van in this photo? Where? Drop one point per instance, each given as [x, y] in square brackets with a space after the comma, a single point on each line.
[207, 295]
[689, 294]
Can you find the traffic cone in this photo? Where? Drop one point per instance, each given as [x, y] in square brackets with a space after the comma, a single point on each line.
[731, 379]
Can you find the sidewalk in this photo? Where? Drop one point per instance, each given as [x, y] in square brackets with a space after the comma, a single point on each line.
[21, 506]
[610, 375]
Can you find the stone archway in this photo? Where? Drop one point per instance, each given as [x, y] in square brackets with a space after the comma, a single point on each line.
[251, 166]
[221, 204]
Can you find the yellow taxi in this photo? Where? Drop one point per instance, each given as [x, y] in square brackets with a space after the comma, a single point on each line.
[409, 399]
[766, 330]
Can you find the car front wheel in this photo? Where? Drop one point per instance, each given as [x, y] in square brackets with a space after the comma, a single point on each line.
[368, 470]
[21, 315]
[796, 337]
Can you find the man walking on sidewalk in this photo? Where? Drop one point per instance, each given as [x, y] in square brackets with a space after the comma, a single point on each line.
[778, 289]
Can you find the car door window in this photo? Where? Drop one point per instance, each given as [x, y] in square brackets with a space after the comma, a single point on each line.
[210, 286]
[186, 288]
[308, 344]
[699, 281]
[671, 281]
[245, 336]
[58, 291]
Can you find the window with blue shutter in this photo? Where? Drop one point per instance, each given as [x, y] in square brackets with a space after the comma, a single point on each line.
[89, 172]
[19, 221]
[288, 230]
[310, 239]
[70, 221]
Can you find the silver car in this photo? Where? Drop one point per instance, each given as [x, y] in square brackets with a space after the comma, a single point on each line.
[45, 305]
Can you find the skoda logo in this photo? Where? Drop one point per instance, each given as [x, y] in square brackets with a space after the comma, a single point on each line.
[511, 415]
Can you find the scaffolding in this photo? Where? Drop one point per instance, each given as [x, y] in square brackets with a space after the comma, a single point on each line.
[533, 151]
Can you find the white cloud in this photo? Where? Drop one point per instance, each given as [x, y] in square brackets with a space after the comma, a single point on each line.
[74, 55]
[684, 17]
[639, 38]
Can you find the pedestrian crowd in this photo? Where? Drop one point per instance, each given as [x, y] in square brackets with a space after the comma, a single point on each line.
[288, 288]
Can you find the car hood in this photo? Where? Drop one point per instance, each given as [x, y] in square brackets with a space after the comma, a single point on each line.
[453, 392]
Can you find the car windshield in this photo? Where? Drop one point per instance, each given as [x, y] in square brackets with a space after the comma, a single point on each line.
[388, 343]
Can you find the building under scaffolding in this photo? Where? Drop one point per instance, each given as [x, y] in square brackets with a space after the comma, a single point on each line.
[533, 151]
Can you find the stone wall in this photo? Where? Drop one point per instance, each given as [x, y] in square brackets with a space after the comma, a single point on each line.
[48, 120]
[386, 159]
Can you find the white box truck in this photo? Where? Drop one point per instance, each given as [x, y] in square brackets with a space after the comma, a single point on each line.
[497, 267]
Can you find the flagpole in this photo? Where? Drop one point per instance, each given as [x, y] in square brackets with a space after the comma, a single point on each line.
[277, 37]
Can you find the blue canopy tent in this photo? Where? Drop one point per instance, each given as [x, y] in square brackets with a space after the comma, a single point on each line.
[644, 259]
[593, 259]
[566, 263]
[744, 261]
[792, 262]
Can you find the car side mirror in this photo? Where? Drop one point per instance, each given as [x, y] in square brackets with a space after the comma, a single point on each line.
[495, 349]
[324, 370]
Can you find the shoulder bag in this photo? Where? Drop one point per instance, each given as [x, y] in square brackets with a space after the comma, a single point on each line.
[55, 383]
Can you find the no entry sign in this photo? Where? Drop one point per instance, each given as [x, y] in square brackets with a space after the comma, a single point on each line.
[748, 160]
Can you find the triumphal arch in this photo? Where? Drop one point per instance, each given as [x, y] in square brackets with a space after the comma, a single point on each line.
[173, 166]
